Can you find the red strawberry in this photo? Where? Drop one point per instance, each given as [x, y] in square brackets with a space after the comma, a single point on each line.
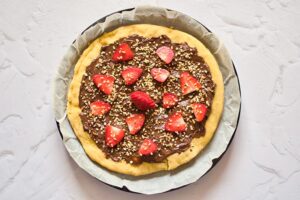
[99, 107]
[169, 100]
[175, 123]
[123, 53]
[148, 147]
[135, 122]
[131, 75]
[189, 83]
[113, 135]
[160, 74]
[142, 100]
[165, 53]
[199, 110]
[104, 82]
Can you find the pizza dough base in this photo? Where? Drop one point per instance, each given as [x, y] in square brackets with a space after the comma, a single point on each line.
[174, 160]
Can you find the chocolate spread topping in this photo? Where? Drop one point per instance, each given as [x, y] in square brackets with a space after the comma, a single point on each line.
[186, 59]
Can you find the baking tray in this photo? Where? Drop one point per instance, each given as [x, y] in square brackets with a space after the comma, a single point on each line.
[216, 160]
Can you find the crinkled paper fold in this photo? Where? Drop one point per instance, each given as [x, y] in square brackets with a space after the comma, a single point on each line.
[162, 181]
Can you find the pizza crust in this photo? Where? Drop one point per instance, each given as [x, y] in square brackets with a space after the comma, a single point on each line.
[173, 161]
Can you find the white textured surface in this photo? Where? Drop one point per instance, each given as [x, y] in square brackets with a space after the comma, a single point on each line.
[263, 161]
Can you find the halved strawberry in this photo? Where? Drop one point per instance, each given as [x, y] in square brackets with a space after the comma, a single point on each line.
[135, 122]
[131, 75]
[175, 123]
[113, 135]
[148, 147]
[142, 100]
[123, 53]
[189, 83]
[165, 53]
[160, 74]
[169, 100]
[99, 107]
[104, 82]
[199, 110]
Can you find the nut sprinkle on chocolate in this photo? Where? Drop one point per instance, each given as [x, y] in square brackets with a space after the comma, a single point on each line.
[144, 99]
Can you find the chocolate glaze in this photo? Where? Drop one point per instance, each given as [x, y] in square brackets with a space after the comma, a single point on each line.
[186, 59]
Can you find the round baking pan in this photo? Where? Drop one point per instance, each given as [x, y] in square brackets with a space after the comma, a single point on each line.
[216, 160]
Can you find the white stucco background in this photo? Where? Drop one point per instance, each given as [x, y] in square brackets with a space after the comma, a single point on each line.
[263, 161]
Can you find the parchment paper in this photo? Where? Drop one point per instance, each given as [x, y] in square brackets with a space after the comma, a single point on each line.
[162, 181]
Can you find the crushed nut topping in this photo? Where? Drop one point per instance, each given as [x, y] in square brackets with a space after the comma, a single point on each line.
[186, 59]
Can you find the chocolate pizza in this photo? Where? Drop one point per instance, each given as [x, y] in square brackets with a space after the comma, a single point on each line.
[145, 98]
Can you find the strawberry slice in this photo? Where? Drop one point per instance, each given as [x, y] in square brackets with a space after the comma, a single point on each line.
[131, 75]
[169, 100]
[99, 107]
[104, 82]
[165, 53]
[122, 53]
[135, 122]
[160, 74]
[148, 147]
[188, 83]
[142, 100]
[199, 110]
[113, 135]
[175, 123]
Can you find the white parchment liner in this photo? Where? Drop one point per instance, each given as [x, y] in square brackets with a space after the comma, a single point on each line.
[162, 181]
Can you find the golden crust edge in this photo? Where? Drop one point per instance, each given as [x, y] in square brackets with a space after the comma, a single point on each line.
[174, 160]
